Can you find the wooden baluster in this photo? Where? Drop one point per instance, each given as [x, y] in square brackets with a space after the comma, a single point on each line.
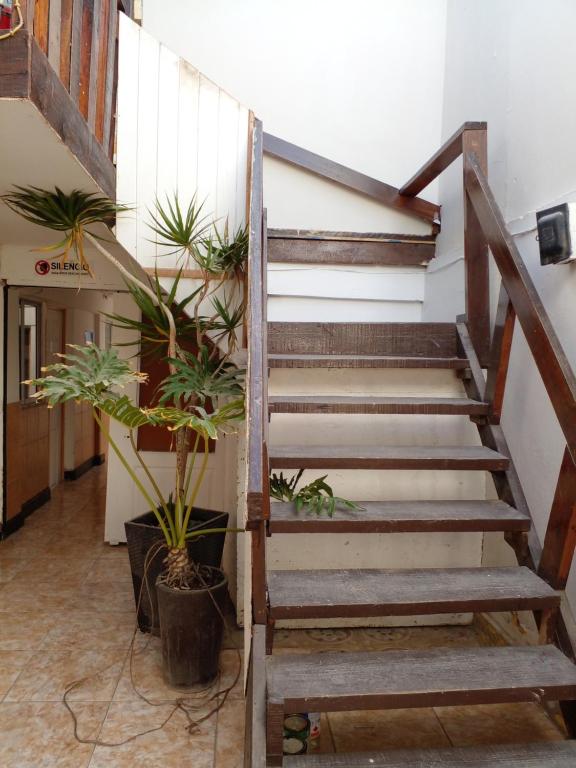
[41, 23]
[476, 254]
[500, 355]
[85, 56]
[102, 73]
[66, 9]
[560, 540]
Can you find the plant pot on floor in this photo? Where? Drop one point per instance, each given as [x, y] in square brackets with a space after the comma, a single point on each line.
[143, 532]
[192, 628]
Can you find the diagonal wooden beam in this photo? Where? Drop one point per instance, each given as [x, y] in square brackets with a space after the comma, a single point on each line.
[347, 177]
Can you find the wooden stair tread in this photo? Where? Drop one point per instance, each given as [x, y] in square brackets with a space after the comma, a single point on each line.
[401, 517]
[327, 682]
[557, 754]
[373, 592]
[281, 360]
[386, 457]
[357, 404]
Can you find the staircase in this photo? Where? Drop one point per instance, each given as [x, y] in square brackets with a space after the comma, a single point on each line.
[351, 681]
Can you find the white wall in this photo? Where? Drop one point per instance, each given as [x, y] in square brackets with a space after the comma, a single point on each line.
[512, 63]
[178, 132]
[360, 83]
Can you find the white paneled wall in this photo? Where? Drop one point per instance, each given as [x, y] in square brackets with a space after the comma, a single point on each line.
[177, 132]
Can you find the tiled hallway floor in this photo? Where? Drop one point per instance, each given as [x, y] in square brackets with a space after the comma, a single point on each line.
[67, 612]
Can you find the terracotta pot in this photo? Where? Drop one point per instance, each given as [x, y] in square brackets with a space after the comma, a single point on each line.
[191, 629]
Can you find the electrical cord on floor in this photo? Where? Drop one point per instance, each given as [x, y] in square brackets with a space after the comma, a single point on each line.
[188, 705]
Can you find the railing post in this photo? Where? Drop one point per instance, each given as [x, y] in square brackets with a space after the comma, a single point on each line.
[560, 540]
[474, 142]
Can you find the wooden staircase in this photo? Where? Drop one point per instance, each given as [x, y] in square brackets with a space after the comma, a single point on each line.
[328, 682]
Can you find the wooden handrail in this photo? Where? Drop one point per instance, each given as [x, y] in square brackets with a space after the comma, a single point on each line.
[470, 137]
[544, 344]
[255, 415]
[347, 177]
[448, 152]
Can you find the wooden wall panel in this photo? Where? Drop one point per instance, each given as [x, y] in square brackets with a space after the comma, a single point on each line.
[65, 40]
[41, 23]
[27, 454]
[86, 35]
[101, 68]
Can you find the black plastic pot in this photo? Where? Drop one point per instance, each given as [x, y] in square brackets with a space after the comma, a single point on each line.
[143, 532]
[191, 628]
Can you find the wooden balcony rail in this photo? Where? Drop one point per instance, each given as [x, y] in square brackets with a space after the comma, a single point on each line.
[80, 40]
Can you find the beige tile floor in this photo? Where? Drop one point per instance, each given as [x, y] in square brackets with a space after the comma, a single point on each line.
[66, 613]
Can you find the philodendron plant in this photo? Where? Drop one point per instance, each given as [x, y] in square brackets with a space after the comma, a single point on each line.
[202, 395]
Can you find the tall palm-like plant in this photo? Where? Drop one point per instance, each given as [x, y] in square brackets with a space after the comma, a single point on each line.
[92, 375]
[202, 394]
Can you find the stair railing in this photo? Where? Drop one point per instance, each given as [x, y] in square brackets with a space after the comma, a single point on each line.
[484, 228]
[257, 484]
[258, 496]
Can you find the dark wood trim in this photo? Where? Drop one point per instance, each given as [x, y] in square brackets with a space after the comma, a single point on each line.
[477, 287]
[81, 469]
[445, 156]
[26, 73]
[543, 342]
[560, 540]
[500, 355]
[347, 177]
[28, 507]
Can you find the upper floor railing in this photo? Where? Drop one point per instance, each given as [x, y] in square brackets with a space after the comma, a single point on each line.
[80, 41]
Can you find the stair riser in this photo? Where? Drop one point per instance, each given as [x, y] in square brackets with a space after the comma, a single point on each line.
[435, 410]
[336, 526]
[356, 363]
[288, 462]
[417, 609]
[427, 699]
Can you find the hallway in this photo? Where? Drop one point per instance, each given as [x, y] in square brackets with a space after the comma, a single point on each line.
[66, 613]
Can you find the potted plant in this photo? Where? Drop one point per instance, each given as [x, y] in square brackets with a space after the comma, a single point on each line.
[200, 398]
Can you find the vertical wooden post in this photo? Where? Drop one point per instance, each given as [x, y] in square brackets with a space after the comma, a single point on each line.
[274, 733]
[560, 540]
[474, 142]
[500, 355]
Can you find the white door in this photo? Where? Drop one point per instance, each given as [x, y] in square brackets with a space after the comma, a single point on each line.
[54, 346]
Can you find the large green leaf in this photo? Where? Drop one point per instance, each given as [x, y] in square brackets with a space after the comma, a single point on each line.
[87, 373]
